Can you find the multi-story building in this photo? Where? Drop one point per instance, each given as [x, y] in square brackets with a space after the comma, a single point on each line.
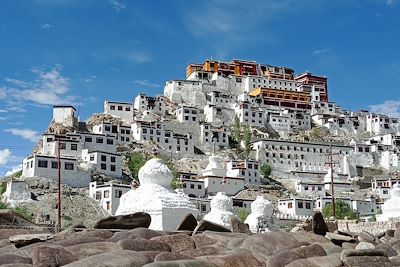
[249, 170]
[185, 114]
[108, 195]
[122, 133]
[153, 104]
[215, 136]
[122, 110]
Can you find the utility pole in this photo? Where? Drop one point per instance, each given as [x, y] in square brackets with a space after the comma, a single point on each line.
[331, 164]
[58, 186]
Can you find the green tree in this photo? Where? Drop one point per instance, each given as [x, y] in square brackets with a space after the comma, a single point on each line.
[241, 213]
[236, 129]
[135, 162]
[342, 210]
[246, 140]
[265, 170]
[3, 206]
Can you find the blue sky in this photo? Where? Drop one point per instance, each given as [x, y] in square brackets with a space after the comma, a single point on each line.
[82, 52]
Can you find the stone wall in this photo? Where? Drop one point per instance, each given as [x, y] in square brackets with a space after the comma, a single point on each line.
[370, 227]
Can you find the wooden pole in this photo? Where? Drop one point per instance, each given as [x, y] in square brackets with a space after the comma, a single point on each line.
[58, 186]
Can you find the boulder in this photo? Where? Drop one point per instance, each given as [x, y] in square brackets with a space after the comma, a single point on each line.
[171, 256]
[178, 242]
[26, 239]
[283, 258]
[367, 237]
[137, 232]
[130, 221]
[310, 251]
[13, 259]
[347, 245]
[324, 261]
[389, 250]
[181, 263]
[235, 243]
[84, 250]
[101, 233]
[236, 259]
[6, 233]
[77, 241]
[7, 249]
[309, 237]
[210, 226]
[224, 238]
[201, 240]
[346, 253]
[189, 223]
[266, 244]
[319, 226]
[141, 244]
[389, 233]
[48, 256]
[338, 239]
[365, 245]
[367, 261]
[330, 248]
[120, 258]
[239, 227]
[205, 251]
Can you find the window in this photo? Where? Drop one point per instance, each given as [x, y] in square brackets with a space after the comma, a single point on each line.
[203, 207]
[103, 158]
[127, 109]
[118, 193]
[99, 140]
[192, 186]
[110, 141]
[107, 128]
[98, 195]
[300, 205]
[308, 205]
[88, 139]
[119, 107]
[199, 186]
[122, 138]
[112, 159]
[290, 205]
[54, 165]
[62, 145]
[103, 166]
[68, 166]
[106, 193]
[306, 187]
[74, 147]
[112, 168]
[112, 107]
[42, 163]
[91, 157]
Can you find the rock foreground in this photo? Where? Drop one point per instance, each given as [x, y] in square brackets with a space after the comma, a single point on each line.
[141, 246]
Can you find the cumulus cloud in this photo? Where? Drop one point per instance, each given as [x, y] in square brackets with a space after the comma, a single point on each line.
[138, 57]
[389, 107]
[49, 88]
[14, 169]
[27, 134]
[390, 2]
[117, 5]
[46, 26]
[145, 83]
[5, 155]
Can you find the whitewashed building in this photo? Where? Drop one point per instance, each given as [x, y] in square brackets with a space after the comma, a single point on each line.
[122, 110]
[108, 195]
[248, 114]
[214, 136]
[103, 162]
[309, 189]
[381, 124]
[122, 133]
[16, 193]
[186, 114]
[65, 115]
[249, 170]
[155, 105]
[296, 207]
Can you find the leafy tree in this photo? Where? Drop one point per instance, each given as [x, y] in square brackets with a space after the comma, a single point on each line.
[3, 206]
[236, 129]
[246, 140]
[135, 162]
[241, 213]
[342, 210]
[265, 170]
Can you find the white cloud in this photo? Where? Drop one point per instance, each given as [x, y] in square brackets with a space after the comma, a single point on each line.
[49, 88]
[319, 52]
[28, 134]
[5, 155]
[145, 83]
[46, 26]
[389, 107]
[14, 169]
[390, 2]
[3, 93]
[118, 6]
[138, 57]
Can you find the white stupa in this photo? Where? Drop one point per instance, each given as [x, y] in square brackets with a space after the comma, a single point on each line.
[155, 197]
[221, 210]
[391, 208]
[260, 216]
[215, 167]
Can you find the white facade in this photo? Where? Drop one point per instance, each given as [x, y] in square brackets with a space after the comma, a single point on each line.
[248, 170]
[108, 195]
[194, 188]
[122, 133]
[155, 105]
[294, 156]
[16, 193]
[380, 188]
[103, 162]
[309, 189]
[185, 114]
[122, 110]
[65, 115]
[228, 185]
[296, 207]
[381, 124]
[73, 173]
[214, 136]
[250, 115]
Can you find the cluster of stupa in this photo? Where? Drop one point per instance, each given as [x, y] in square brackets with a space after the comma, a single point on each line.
[167, 207]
